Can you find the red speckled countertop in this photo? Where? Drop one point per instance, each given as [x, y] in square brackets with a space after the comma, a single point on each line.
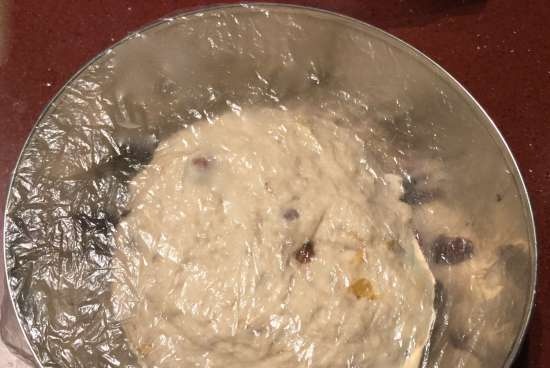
[498, 49]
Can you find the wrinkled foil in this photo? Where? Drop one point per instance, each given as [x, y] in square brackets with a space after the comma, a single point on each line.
[70, 188]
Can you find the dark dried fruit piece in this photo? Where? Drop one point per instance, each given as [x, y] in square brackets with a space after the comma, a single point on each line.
[201, 162]
[451, 250]
[305, 253]
[291, 214]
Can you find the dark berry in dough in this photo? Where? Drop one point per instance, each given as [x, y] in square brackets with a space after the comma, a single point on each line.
[306, 252]
[451, 250]
[291, 214]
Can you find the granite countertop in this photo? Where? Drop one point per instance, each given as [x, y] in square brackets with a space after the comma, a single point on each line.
[498, 49]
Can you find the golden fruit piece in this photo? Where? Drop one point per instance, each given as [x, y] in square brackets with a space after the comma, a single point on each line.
[362, 288]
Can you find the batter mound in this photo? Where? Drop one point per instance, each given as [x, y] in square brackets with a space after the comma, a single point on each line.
[264, 238]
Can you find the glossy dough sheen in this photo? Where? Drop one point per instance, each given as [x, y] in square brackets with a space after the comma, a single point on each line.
[208, 267]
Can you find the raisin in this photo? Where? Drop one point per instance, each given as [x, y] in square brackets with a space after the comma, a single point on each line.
[201, 162]
[305, 253]
[291, 214]
[451, 250]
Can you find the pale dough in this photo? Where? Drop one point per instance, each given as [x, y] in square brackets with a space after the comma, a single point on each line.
[211, 268]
